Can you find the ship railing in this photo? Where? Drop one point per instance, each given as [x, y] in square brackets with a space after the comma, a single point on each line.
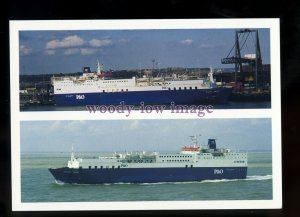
[108, 158]
[57, 78]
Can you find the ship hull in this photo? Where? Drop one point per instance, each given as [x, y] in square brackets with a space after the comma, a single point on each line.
[213, 95]
[146, 175]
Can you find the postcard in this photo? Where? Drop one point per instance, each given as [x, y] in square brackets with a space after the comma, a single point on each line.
[145, 114]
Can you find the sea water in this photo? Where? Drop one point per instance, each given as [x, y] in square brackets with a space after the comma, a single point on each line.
[38, 185]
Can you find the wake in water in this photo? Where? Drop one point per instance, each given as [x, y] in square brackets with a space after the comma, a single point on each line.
[59, 182]
[249, 178]
[265, 177]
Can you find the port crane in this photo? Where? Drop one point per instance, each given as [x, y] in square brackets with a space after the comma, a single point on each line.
[254, 60]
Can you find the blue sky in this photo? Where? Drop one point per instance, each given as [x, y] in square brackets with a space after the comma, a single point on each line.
[148, 135]
[48, 52]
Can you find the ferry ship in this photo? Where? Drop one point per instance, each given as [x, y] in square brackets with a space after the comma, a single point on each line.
[99, 88]
[192, 163]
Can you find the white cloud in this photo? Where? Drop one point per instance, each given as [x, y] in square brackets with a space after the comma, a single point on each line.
[74, 126]
[186, 42]
[88, 51]
[66, 126]
[76, 45]
[124, 40]
[56, 125]
[134, 125]
[100, 42]
[49, 52]
[71, 51]
[70, 41]
[82, 51]
[25, 50]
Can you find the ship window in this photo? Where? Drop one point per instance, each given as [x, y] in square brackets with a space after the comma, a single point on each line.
[101, 167]
[90, 167]
[196, 88]
[191, 88]
[179, 88]
[186, 166]
[95, 167]
[113, 167]
[103, 91]
[122, 90]
[185, 88]
[191, 166]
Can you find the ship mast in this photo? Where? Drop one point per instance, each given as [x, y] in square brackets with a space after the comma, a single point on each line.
[72, 154]
[195, 140]
[98, 68]
[210, 75]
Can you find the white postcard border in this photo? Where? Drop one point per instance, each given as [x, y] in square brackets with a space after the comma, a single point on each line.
[274, 113]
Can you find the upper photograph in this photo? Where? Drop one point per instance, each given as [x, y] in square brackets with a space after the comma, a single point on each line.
[74, 70]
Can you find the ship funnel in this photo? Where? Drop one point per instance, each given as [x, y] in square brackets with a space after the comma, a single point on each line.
[212, 143]
[86, 70]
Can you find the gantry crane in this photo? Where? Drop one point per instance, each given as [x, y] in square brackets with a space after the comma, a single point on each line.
[241, 37]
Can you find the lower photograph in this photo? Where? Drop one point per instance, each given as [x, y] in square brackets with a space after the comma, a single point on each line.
[142, 164]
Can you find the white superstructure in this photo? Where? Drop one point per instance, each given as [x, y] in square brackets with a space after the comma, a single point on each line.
[100, 82]
[192, 156]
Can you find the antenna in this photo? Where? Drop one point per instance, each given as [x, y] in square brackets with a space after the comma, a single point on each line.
[153, 64]
[72, 154]
[140, 67]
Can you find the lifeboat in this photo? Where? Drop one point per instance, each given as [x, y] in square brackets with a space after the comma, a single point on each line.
[104, 75]
[185, 148]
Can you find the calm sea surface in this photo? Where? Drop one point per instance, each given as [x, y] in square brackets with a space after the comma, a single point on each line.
[38, 185]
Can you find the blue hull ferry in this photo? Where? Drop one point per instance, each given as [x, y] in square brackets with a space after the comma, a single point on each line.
[100, 88]
[192, 163]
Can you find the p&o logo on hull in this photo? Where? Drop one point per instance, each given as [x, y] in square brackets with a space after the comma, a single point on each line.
[80, 96]
[218, 171]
